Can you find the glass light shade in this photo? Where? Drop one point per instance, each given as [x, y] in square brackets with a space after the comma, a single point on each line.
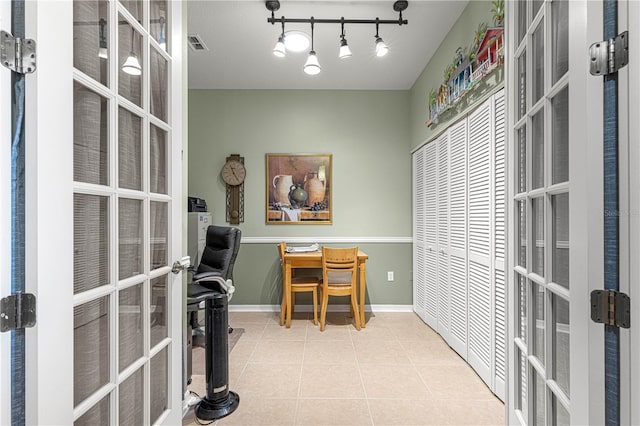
[103, 53]
[345, 52]
[279, 50]
[381, 48]
[312, 66]
[132, 65]
[297, 41]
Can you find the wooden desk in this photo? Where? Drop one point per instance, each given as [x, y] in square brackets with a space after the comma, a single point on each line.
[314, 260]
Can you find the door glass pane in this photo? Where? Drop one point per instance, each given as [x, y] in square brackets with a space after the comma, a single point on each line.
[521, 86]
[521, 377]
[537, 62]
[559, 39]
[521, 162]
[130, 326]
[90, 39]
[521, 8]
[561, 340]
[560, 235]
[560, 414]
[539, 399]
[159, 241]
[98, 415]
[537, 240]
[159, 375]
[134, 7]
[521, 303]
[537, 309]
[129, 150]
[560, 141]
[158, 164]
[158, 311]
[537, 150]
[521, 233]
[130, 63]
[159, 84]
[536, 7]
[90, 242]
[131, 400]
[130, 238]
[158, 17]
[90, 136]
[90, 348]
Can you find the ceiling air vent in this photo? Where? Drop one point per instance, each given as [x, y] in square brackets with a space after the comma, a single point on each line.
[196, 42]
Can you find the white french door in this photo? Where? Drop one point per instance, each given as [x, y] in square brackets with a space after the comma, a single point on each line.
[104, 213]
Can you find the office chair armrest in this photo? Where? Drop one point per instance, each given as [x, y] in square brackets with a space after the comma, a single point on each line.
[215, 277]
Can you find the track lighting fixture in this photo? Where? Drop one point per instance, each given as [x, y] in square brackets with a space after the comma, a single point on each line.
[345, 52]
[312, 66]
[102, 50]
[279, 50]
[381, 47]
[132, 65]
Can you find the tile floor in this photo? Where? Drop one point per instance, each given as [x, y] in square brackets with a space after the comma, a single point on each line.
[396, 371]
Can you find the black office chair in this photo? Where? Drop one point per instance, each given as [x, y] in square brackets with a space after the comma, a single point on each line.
[213, 283]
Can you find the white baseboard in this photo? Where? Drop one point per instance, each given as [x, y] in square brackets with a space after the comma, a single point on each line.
[330, 308]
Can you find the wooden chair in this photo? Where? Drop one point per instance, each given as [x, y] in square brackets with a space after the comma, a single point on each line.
[339, 278]
[298, 284]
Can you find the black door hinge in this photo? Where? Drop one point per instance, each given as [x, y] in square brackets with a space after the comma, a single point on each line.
[611, 307]
[17, 311]
[608, 56]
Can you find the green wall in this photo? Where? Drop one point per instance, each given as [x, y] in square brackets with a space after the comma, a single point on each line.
[460, 35]
[367, 134]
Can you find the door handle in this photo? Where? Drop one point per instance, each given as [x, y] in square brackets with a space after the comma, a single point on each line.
[180, 265]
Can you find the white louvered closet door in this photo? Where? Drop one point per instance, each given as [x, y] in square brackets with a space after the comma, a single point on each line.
[430, 254]
[480, 348]
[442, 232]
[419, 234]
[499, 244]
[458, 237]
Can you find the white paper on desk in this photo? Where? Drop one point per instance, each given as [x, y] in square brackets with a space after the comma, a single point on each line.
[312, 247]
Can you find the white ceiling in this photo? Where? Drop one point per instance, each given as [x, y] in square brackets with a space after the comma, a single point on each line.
[240, 43]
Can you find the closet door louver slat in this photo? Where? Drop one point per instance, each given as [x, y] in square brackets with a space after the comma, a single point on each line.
[442, 147]
[431, 267]
[419, 228]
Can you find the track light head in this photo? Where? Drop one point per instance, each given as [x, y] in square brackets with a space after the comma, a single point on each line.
[312, 66]
[279, 50]
[381, 47]
[345, 52]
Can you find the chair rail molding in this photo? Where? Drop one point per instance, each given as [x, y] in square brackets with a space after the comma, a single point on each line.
[328, 240]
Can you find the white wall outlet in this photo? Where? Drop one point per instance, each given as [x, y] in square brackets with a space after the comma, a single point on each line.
[390, 276]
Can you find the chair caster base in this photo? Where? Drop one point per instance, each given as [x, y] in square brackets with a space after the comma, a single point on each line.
[208, 410]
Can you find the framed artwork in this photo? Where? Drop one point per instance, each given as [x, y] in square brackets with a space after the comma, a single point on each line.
[298, 189]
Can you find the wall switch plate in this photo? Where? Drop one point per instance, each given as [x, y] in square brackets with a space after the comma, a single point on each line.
[390, 276]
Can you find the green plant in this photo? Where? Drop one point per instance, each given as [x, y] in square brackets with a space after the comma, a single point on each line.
[498, 12]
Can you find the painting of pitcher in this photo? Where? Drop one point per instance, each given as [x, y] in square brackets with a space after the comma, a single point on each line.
[289, 177]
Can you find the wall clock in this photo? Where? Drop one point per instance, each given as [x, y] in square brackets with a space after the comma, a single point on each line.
[233, 174]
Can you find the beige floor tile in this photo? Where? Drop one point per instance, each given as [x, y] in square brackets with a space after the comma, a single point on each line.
[235, 370]
[333, 412]
[454, 382]
[252, 317]
[252, 330]
[431, 352]
[413, 330]
[275, 351]
[334, 332]
[242, 351]
[299, 315]
[255, 411]
[380, 352]
[329, 352]
[393, 382]
[375, 331]
[331, 381]
[454, 412]
[198, 385]
[401, 412]
[297, 331]
[270, 380]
